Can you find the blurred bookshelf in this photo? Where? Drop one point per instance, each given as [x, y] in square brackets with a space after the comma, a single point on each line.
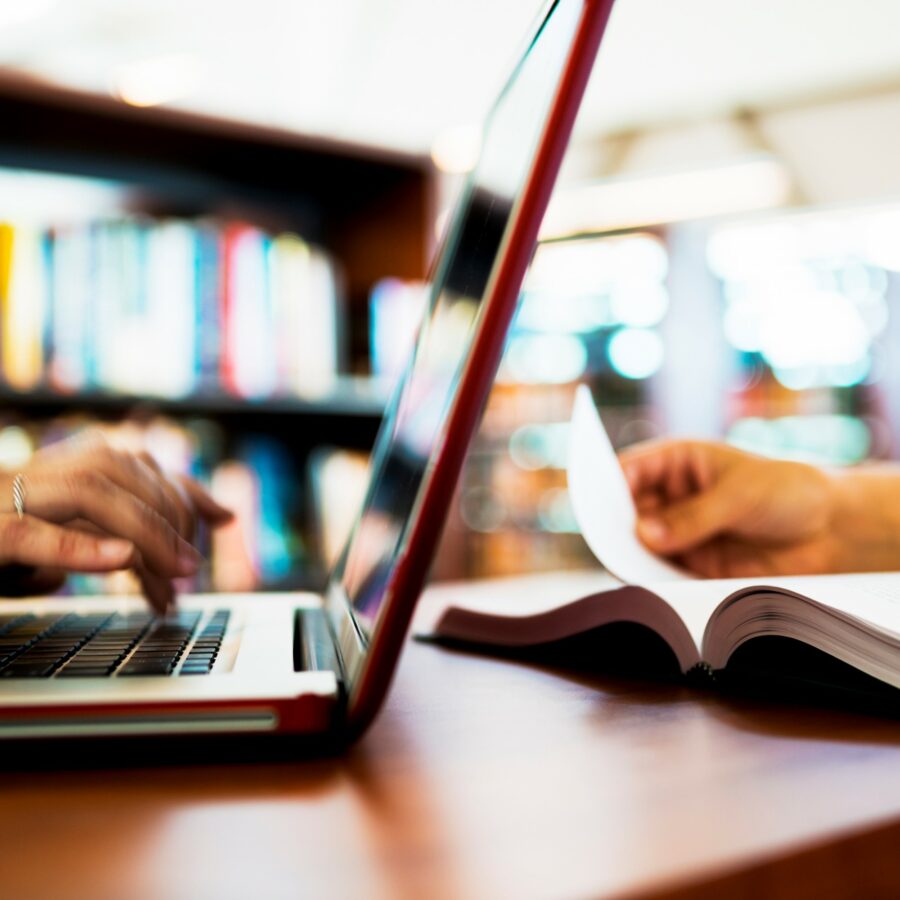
[353, 396]
[773, 332]
[293, 281]
[199, 288]
[592, 310]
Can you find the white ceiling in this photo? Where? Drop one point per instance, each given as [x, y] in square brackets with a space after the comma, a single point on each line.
[398, 72]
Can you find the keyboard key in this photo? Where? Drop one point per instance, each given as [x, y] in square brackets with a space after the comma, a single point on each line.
[96, 669]
[162, 667]
[144, 673]
[153, 654]
[196, 667]
[27, 670]
[83, 672]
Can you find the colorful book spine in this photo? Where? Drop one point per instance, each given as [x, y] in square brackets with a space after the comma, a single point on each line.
[23, 307]
[71, 278]
[208, 308]
[250, 339]
[6, 246]
[167, 308]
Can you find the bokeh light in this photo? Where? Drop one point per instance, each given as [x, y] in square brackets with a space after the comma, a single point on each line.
[807, 295]
[817, 438]
[636, 352]
[545, 358]
[540, 446]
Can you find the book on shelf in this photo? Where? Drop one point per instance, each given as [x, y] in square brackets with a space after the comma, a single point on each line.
[23, 302]
[167, 308]
[396, 308]
[840, 633]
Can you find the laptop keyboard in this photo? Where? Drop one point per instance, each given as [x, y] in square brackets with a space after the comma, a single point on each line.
[101, 645]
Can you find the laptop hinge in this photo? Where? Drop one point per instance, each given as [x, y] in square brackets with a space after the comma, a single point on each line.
[349, 640]
[315, 647]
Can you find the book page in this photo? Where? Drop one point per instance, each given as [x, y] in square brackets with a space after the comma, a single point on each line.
[536, 609]
[831, 612]
[601, 500]
[525, 595]
[872, 597]
[695, 600]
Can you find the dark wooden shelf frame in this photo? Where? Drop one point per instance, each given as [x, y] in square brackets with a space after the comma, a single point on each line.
[348, 417]
[372, 209]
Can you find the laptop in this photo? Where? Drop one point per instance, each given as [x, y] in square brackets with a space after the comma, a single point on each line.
[304, 664]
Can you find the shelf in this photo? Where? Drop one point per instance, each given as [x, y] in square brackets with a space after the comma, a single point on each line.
[372, 209]
[360, 397]
[47, 126]
[350, 415]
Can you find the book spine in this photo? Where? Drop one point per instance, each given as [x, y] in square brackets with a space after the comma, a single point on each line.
[23, 309]
[254, 364]
[227, 305]
[701, 674]
[165, 308]
[210, 286]
[48, 239]
[71, 279]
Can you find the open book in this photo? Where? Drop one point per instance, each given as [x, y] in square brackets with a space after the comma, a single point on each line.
[708, 624]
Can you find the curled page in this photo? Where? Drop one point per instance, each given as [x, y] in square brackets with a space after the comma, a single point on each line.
[602, 501]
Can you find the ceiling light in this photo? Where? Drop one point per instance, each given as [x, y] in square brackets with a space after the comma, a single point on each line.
[760, 183]
[455, 150]
[152, 82]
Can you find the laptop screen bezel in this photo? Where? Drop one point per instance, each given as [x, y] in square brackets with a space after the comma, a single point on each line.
[367, 671]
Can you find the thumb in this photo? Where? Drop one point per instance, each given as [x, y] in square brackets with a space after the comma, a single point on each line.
[688, 523]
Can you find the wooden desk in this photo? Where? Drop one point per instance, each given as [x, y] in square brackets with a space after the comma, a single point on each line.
[485, 778]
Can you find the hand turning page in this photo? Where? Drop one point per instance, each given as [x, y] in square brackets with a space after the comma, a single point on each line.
[602, 501]
[853, 619]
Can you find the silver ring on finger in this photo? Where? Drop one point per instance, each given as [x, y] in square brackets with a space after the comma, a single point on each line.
[18, 489]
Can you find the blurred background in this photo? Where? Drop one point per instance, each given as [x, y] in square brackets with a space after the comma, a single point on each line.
[216, 219]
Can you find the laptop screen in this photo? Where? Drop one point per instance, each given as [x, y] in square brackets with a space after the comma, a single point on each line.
[414, 424]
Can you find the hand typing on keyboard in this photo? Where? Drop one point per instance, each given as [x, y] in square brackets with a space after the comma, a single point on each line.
[91, 508]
